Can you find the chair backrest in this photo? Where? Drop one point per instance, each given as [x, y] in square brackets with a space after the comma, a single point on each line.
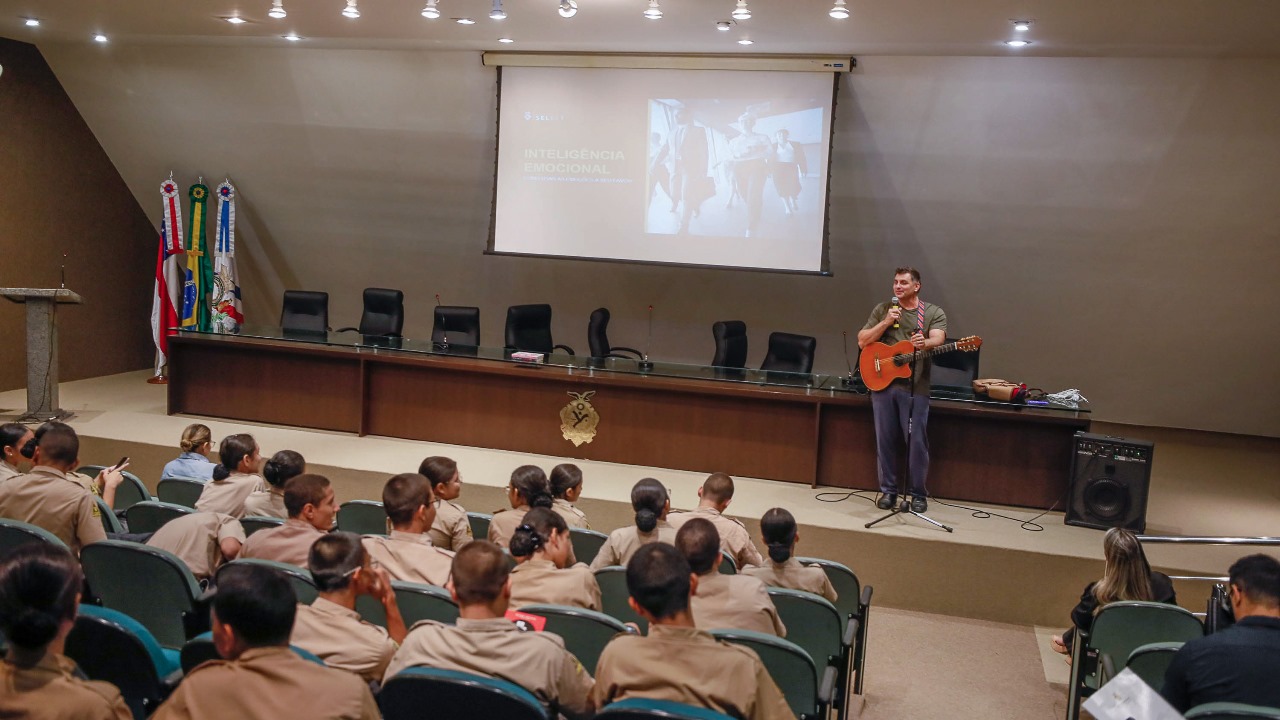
[110, 523]
[650, 709]
[790, 353]
[585, 632]
[812, 622]
[180, 491]
[598, 333]
[129, 493]
[113, 647]
[453, 695]
[254, 523]
[728, 566]
[1120, 627]
[846, 584]
[200, 649]
[383, 312]
[303, 586]
[305, 311]
[363, 517]
[1231, 711]
[529, 328]
[416, 602]
[788, 664]
[614, 594]
[955, 369]
[14, 533]
[150, 585]
[460, 324]
[586, 543]
[1150, 661]
[479, 524]
[150, 515]
[731, 344]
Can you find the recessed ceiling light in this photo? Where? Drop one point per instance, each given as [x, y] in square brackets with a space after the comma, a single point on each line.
[497, 13]
[32, 22]
[505, 40]
[277, 10]
[839, 11]
[1021, 25]
[235, 20]
[100, 38]
[740, 11]
[745, 41]
[351, 10]
[292, 37]
[431, 12]
[723, 25]
[653, 12]
[464, 21]
[1017, 43]
[568, 8]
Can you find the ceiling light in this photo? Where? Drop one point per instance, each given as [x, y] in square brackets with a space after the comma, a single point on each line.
[100, 38]
[839, 11]
[1017, 43]
[740, 12]
[723, 25]
[464, 21]
[568, 8]
[235, 20]
[277, 10]
[497, 13]
[653, 12]
[32, 22]
[745, 41]
[292, 37]
[431, 12]
[1021, 25]
[505, 40]
[351, 10]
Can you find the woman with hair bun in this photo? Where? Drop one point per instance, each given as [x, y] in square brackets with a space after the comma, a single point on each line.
[39, 593]
[778, 530]
[546, 573]
[276, 471]
[528, 489]
[194, 462]
[650, 501]
[235, 477]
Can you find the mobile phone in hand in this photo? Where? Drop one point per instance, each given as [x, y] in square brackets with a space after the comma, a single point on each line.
[119, 465]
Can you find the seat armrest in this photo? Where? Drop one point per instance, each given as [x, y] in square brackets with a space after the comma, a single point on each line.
[346, 329]
[1106, 669]
[565, 348]
[827, 686]
[850, 632]
[613, 352]
[865, 600]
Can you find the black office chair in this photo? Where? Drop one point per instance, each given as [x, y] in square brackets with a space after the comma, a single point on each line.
[790, 353]
[731, 344]
[529, 329]
[955, 370]
[383, 313]
[305, 311]
[456, 325]
[598, 338]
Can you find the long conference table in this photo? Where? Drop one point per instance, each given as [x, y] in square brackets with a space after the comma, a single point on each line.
[810, 429]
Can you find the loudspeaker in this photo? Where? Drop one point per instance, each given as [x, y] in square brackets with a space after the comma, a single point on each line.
[1109, 481]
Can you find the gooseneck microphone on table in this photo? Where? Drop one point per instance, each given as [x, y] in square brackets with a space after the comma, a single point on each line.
[64, 270]
[444, 327]
[644, 363]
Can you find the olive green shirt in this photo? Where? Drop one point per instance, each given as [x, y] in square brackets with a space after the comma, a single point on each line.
[908, 323]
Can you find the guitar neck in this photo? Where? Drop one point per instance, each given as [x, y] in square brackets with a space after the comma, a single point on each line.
[944, 348]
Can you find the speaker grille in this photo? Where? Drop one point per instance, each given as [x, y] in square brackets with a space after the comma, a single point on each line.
[1106, 499]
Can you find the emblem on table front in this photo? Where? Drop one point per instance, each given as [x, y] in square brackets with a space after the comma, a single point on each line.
[578, 419]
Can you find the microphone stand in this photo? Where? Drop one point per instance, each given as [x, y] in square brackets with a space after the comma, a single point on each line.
[645, 364]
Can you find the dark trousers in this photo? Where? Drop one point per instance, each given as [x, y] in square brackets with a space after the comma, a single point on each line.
[891, 408]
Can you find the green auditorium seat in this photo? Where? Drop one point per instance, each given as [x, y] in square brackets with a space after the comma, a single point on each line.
[300, 578]
[649, 709]
[180, 491]
[586, 543]
[149, 516]
[149, 585]
[807, 692]
[613, 596]
[585, 632]
[1231, 711]
[814, 624]
[479, 525]
[113, 647]
[416, 602]
[362, 517]
[854, 604]
[452, 695]
[129, 493]
[110, 523]
[14, 533]
[254, 523]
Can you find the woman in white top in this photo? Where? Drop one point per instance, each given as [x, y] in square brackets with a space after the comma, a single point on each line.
[235, 478]
[277, 471]
[650, 501]
[778, 530]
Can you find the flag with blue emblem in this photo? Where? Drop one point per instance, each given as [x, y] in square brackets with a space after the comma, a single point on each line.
[227, 316]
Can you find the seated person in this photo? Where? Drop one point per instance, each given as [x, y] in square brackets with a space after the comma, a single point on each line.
[737, 602]
[204, 541]
[47, 497]
[312, 506]
[39, 593]
[484, 642]
[713, 499]
[282, 467]
[96, 485]
[528, 489]
[407, 554]
[649, 500]
[13, 436]
[778, 530]
[235, 478]
[194, 462]
[1241, 663]
[566, 487]
[677, 661]
[1126, 576]
[330, 627]
[545, 576]
[451, 528]
[260, 678]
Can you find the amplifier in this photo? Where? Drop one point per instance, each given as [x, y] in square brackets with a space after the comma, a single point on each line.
[1110, 477]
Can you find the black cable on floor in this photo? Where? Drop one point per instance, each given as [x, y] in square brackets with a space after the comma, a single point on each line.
[1028, 525]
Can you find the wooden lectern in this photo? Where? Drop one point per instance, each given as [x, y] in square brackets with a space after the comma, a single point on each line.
[42, 349]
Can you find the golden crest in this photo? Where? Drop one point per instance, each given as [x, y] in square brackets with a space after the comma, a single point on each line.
[578, 419]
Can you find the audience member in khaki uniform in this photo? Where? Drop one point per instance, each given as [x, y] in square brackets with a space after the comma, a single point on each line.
[544, 576]
[484, 642]
[13, 436]
[649, 500]
[737, 602]
[566, 488]
[47, 498]
[528, 489]
[261, 678]
[330, 627]
[677, 661]
[204, 541]
[451, 528]
[713, 499]
[234, 479]
[312, 507]
[407, 554]
[778, 530]
[39, 594]
[277, 471]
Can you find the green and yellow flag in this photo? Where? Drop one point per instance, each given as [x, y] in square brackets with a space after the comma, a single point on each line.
[199, 272]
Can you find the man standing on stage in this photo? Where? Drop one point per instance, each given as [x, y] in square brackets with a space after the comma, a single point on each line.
[925, 326]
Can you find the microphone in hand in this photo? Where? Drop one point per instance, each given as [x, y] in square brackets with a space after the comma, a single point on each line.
[897, 309]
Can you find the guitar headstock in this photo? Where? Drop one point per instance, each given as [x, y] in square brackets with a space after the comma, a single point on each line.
[969, 344]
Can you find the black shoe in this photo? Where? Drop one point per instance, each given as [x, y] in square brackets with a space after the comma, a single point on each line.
[887, 501]
[919, 504]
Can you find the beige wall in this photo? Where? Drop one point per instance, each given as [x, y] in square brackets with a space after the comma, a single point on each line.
[1106, 224]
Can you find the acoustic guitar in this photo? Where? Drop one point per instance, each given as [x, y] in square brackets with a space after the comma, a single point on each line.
[881, 364]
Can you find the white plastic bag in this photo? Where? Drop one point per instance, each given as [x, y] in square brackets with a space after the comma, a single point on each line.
[1127, 697]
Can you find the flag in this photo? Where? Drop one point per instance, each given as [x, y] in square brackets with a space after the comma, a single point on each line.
[199, 273]
[164, 303]
[227, 316]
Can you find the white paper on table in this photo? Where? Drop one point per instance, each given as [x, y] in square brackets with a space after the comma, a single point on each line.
[1127, 697]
